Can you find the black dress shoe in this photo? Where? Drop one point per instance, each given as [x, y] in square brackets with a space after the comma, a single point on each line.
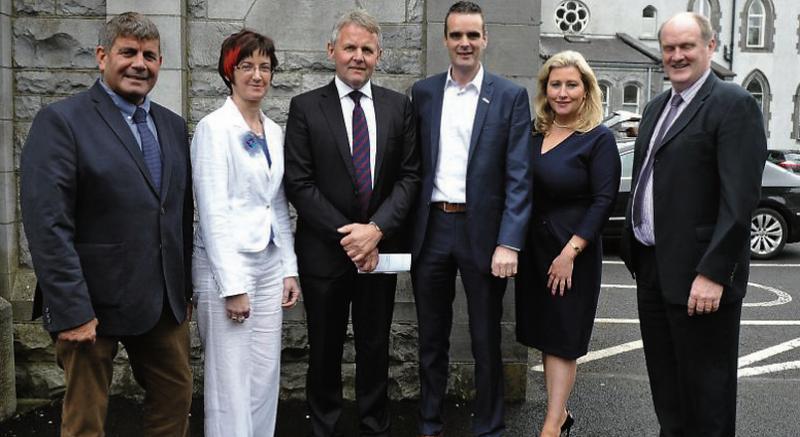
[567, 425]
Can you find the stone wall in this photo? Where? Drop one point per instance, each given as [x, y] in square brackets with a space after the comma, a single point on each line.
[53, 44]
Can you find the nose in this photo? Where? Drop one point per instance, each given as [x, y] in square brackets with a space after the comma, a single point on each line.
[138, 61]
[358, 56]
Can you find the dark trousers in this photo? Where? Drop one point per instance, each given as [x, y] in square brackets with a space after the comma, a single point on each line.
[328, 302]
[447, 250]
[691, 361]
[160, 362]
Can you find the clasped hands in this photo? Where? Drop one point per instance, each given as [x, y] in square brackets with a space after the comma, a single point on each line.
[360, 242]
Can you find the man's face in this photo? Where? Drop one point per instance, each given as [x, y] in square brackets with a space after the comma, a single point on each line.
[465, 41]
[684, 53]
[130, 67]
[355, 54]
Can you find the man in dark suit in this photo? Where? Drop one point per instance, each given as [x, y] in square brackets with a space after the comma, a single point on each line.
[107, 208]
[352, 172]
[471, 215]
[697, 179]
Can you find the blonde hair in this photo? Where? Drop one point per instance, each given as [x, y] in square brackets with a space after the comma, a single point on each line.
[590, 112]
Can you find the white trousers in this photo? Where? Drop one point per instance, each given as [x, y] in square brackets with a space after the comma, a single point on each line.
[242, 360]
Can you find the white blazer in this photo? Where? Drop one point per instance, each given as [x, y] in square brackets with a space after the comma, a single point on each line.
[240, 199]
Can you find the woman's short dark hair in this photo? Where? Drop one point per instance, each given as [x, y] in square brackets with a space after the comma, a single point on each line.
[240, 45]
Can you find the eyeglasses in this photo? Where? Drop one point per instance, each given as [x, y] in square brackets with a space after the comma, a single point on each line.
[248, 68]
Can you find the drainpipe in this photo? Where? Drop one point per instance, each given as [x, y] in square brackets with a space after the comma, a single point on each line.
[733, 33]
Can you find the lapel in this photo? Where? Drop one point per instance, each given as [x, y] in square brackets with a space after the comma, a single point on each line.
[109, 112]
[484, 100]
[646, 132]
[436, 117]
[382, 127]
[166, 141]
[688, 113]
[332, 111]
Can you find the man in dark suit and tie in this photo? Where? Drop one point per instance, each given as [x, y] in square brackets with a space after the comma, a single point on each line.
[697, 179]
[107, 208]
[352, 173]
[471, 215]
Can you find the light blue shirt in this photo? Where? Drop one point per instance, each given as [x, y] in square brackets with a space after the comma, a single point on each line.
[127, 109]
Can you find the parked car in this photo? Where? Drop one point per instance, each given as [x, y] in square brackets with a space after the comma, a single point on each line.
[788, 159]
[624, 124]
[775, 222]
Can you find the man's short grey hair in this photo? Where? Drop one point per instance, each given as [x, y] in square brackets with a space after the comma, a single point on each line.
[706, 31]
[359, 17]
[130, 24]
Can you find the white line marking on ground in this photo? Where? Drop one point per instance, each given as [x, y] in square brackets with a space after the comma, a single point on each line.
[768, 352]
[613, 321]
[783, 297]
[770, 368]
[610, 262]
[602, 353]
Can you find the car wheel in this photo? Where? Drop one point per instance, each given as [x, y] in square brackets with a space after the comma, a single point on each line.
[768, 233]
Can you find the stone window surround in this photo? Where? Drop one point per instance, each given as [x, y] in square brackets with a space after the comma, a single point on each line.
[579, 6]
[606, 104]
[766, 97]
[638, 88]
[769, 28]
[761, 30]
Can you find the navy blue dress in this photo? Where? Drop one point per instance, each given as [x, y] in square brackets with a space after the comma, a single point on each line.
[574, 188]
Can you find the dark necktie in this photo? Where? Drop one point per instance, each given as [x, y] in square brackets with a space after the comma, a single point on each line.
[647, 169]
[361, 154]
[150, 148]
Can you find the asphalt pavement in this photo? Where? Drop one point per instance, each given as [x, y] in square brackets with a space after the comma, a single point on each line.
[611, 396]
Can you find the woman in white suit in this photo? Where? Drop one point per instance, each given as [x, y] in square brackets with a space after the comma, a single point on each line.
[244, 268]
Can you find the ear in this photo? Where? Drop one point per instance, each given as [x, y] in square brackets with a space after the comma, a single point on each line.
[100, 56]
[330, 51]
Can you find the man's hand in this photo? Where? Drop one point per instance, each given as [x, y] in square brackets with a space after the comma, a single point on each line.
[370, 262]
[238, 307]
[359, 240]
[504, 262]
[704, 297]
[291, 292]
[81, 334]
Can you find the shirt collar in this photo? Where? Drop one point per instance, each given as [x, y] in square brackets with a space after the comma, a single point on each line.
[688, 94]
[476, 81]
[344, 89]
[125, 106]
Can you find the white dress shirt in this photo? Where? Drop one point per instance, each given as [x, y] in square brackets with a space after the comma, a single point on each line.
[455, 132]
[368, 106]
[645, 232]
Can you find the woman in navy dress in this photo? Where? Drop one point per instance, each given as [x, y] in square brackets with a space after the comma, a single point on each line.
[576, 170]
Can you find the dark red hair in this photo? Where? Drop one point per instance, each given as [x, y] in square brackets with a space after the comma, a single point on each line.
[241, 45]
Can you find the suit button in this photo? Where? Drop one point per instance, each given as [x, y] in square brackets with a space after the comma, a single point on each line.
[160, 246]
[163, 210]
[267, 206]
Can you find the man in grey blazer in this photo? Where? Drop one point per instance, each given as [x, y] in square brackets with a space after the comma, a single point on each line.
[697, 179]
[107, 208]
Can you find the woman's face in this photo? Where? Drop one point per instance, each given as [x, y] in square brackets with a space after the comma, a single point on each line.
[252, 77]
[565, 92]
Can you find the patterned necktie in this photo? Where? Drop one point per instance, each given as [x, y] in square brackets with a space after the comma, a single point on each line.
[647, 169]
[150, 148]
[361, 154]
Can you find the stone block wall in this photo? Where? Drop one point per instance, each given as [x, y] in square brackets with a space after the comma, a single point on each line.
[53, 42]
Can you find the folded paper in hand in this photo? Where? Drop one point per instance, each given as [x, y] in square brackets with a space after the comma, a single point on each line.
[392, 263]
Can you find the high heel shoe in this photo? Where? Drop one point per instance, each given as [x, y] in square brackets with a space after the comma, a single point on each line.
[567, 426]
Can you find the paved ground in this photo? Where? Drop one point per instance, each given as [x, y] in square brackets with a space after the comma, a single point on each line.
[612, 396]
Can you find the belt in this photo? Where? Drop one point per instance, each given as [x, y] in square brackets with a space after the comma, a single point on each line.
[450, 207]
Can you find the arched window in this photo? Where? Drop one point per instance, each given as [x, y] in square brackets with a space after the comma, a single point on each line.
[757, 30]
[758, 86]
[605, 91]
[755, 24]
[710, 9]
[702, 7]
[649, 22]
[630, 98]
